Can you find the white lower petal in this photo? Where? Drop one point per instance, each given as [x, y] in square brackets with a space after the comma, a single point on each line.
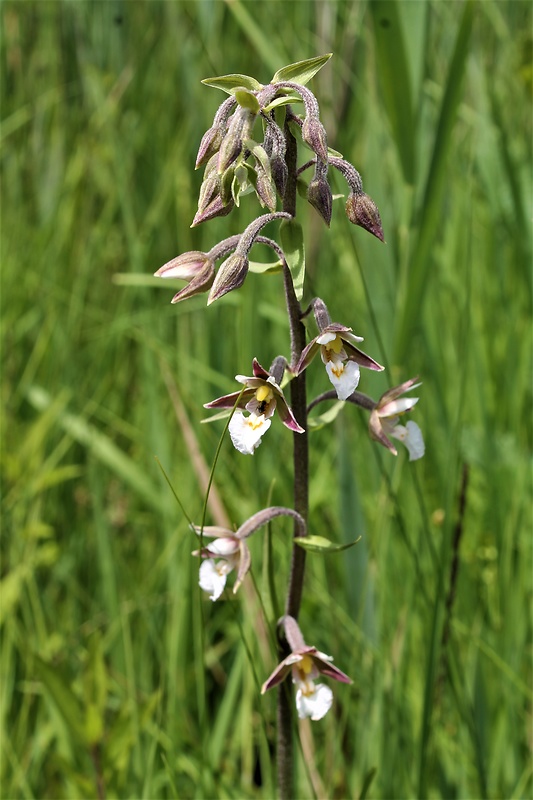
[246, 432]
[213, 577]
[344, 376]
[412, 438]
[313, 701]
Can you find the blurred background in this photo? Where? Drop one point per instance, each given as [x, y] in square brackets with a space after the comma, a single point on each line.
[119, 678]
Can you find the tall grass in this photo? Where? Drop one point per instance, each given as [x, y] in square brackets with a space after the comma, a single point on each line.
[118, 678]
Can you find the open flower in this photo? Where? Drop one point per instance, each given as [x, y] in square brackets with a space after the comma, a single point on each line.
[306, 664]
[196, 267]
[261, 398]
[337, 345]
[384, 421]
[226, 553]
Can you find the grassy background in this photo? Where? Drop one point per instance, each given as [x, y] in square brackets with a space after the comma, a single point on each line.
[118, 678]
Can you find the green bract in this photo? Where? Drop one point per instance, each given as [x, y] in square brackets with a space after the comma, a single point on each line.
[233, 82]
[319, 544]
[302, 71]
[292, 242]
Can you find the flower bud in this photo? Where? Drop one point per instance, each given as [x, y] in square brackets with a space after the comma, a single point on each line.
[314, 135]
[265, 190]
[196, 267]
[231, 144]
[362, 211]
[280, 173]
[207, 190]
[215, 208]
[211, 141]
[231, 275]
[320, 197]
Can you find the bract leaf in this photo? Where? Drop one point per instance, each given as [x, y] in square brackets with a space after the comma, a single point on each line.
[319, 544]
[229, 83]
[292, 242]
[302, 71]
[284, 100]
[260, 268]
[247, 100]
[328, 416]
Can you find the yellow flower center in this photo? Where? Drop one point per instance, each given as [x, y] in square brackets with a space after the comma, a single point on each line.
[335, 345]
[264, 394]
[305, 665]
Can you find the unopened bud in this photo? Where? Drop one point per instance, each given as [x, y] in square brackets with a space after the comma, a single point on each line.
[216, 208]
[361, 210]
[211, 141]
[265, 190]
[320, 197]
[207, 190]
[196, 267]
[314, 135]
[280, 173]
[184, 266]
[231, 275]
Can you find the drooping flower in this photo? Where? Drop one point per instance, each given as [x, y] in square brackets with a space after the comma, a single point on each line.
[384, 421]
[194, 266]
[337, 345]
[226, 553]
[306, 664]
[261, 398]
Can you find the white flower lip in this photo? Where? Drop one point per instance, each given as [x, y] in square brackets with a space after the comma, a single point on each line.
[246, 432]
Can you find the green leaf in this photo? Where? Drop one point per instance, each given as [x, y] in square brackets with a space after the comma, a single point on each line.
[260, 269]
[302, 71]
[292, 242]
[231, 83]
[319, 544]
[327, 417]
[247, 100]
[284, 100]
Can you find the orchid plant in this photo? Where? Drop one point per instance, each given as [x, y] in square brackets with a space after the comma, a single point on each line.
[253, 148]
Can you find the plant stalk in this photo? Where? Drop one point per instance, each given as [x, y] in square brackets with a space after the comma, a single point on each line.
[285, 750]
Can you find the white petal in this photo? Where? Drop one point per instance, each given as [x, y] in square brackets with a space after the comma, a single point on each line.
[224, 546]
[313, 701]
[212, 578]
[246, 432]
[326, 338]
[398, 406]
[411, 436]
[343, 376]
